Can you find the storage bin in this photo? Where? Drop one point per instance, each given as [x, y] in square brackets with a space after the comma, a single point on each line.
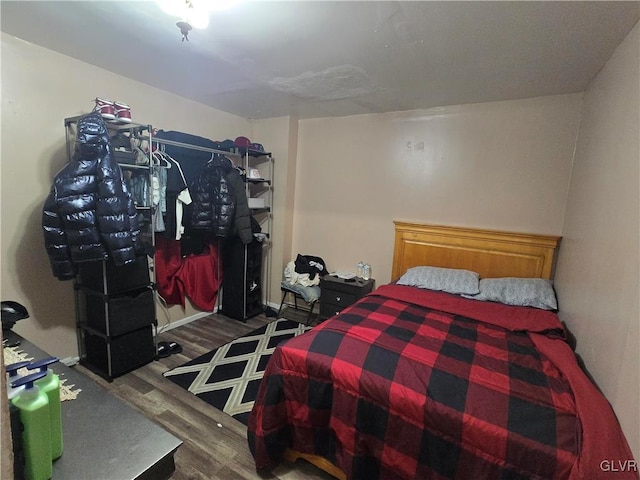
[125, 157]
[119, 279]
[256, 202]
[242, 273]
[125, 352]
[122, 313]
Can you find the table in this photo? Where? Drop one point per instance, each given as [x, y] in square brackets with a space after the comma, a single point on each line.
[103, 437]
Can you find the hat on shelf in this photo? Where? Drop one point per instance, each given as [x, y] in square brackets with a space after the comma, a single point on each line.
[242, 142]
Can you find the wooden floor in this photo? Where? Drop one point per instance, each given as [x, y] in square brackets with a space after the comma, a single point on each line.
[215, 444]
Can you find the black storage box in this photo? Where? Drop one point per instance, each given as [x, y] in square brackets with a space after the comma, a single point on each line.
[119, 278]
[128, 351]
[242, 300]
[123, 313]
[126, 157]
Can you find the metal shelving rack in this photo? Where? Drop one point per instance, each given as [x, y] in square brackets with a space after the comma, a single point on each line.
[108, 367]
[260, 188]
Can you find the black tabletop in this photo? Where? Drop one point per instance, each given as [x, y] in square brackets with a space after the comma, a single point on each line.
[103, 437]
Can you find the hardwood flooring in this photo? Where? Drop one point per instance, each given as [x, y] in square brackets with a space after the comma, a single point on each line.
[215, 444]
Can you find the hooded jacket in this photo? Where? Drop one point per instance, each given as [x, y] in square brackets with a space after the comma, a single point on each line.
[219, 201]
[89, 214]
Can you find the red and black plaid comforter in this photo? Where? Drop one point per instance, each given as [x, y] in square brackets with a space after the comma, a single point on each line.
[409, 383]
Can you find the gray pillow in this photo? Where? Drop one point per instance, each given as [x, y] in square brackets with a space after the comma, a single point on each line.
[524, 292]
[451, 280]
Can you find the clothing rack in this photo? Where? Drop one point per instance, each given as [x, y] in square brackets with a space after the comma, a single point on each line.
[238, 154]
[115, 306]
[163, 141]
[173, 143]
[145, 132]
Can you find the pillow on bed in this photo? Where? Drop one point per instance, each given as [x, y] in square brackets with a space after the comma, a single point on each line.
[450, 280]
[524, 292]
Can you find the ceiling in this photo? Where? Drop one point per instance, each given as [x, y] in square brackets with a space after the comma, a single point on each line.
[265, 59]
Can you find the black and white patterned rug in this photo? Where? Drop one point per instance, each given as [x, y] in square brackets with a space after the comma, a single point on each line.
[229, 376]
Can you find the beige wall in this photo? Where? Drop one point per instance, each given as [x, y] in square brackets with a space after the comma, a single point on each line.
[598, 268]
[503, 165]
[39, 89]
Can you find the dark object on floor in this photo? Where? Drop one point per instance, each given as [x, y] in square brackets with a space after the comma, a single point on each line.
[232, 387]
[168, 348]
[163, 349]
[175, 348]
[11, 313]
[270, 312]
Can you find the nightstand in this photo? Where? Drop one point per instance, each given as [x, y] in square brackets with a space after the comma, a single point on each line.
[336, 294]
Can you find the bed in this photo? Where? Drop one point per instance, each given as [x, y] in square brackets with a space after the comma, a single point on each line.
[419, 383]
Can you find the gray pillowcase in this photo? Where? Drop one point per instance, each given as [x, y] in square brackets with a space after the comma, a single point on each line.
[450, 280]
[524, 292]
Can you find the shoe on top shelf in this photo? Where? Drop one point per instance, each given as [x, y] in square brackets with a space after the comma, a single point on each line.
[106, 108]
[122, 112]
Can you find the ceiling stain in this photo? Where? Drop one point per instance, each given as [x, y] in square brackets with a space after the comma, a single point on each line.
[334, 83]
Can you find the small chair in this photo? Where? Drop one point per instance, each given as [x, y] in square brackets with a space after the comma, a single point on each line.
[310, 295]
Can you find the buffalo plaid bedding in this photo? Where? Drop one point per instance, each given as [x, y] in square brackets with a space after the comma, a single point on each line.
[415, 384]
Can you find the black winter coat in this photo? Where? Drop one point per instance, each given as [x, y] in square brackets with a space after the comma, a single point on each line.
[219, 201]
[89, 214]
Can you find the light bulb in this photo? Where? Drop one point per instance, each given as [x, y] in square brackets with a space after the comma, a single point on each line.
[195, 12]
[197, 17]
[214, 5]
[175, 8]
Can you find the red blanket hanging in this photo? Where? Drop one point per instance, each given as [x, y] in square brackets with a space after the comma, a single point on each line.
[195, 276]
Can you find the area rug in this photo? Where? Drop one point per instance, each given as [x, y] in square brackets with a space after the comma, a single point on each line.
[229, 376]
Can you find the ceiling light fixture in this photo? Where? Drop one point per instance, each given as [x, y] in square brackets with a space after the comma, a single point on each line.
[193, 13]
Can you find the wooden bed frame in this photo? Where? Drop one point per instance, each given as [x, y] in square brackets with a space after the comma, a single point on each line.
[491, 253]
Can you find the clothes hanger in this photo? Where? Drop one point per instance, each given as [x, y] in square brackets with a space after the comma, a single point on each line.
[167, 159]
[160, 160]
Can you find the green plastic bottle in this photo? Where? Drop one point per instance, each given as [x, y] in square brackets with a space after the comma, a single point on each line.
[50, 385]
[36, 435]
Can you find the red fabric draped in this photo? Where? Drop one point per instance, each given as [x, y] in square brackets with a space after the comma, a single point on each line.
[195, 276]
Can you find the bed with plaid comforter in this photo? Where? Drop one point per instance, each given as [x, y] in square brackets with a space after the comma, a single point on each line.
[416, 384]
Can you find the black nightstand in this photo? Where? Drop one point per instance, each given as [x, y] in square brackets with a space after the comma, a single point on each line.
[336, 294]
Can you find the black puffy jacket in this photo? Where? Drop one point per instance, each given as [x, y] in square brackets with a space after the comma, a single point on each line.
[89, 214]
[219, 201]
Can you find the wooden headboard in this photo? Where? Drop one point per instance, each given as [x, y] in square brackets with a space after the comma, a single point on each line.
[491, 253]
